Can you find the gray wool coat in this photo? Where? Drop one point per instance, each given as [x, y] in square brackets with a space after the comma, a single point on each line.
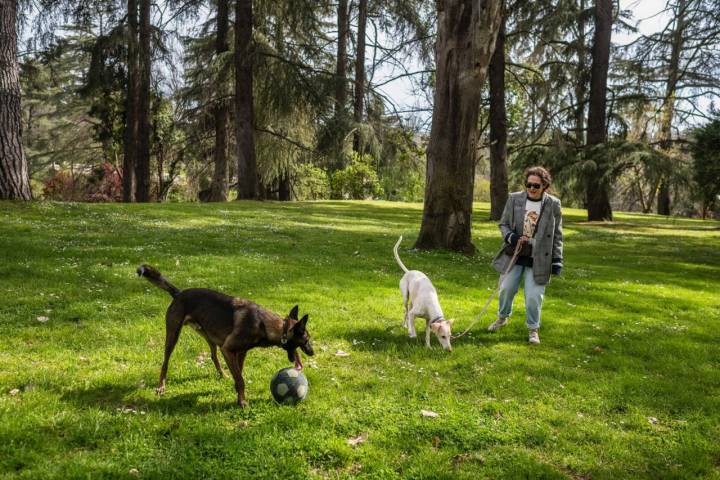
[548, 240]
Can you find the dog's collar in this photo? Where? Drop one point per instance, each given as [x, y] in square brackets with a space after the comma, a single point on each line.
[283, 337]
[437, 319]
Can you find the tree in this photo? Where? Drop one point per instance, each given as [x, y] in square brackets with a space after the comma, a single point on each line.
[360, 75]
[597, 193]
[219, 185]
[142, 165]
[248, 183]
[131, 104]
[706, 164]
[14, 178]
[679, 65]
[498, 128]
[465, 43]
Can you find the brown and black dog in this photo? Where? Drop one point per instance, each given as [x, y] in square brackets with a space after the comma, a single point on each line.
[230, 323]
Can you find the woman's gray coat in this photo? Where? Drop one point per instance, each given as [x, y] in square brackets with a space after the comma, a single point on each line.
[548, 240]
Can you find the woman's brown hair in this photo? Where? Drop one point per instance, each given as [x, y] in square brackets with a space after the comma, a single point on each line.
[539, 172]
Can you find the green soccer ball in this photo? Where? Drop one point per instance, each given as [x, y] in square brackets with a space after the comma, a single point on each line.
[289, 386]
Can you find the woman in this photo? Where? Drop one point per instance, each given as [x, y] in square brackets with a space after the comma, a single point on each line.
[533, 219]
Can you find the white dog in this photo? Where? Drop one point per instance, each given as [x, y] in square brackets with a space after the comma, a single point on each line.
[419, 291]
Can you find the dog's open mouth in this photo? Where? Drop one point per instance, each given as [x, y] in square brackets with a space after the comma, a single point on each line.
[298, 363]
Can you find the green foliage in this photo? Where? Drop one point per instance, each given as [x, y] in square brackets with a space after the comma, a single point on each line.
[706, 163]
[403, 180]
[629, 353]
[357, 181]
[56, 133]
[311, 183]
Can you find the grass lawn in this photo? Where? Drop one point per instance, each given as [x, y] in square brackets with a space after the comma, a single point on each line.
[626, 382]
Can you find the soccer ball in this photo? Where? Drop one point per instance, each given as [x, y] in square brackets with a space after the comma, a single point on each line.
[289, 386]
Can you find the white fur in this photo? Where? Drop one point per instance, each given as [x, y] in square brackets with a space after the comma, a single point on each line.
[419, 292]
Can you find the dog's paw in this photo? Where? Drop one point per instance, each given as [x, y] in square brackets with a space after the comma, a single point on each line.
[243, 403]
[160, 390]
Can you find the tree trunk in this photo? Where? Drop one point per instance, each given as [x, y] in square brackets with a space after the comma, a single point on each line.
[498, 129]
[341, 66]
[219, 186]
[338, 163]
[248, 182]
[663, 203]
[142, 167]
[360, 75]
[284, 187]
[14, 178]
[597, 194]
[130, 140]
[467, 31]
[581, 86]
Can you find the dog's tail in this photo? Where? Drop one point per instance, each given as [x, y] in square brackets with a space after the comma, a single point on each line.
[156, 278]
[397, 257]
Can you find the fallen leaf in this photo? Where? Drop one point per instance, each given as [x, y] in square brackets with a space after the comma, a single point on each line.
[355, 441]
[598, 349]
[340, 353]
[429, 413]
[436, 441]
[42, 319]
[134, 472]
[14, 391]
[652, 420]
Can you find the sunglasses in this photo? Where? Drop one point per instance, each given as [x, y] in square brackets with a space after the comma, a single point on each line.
[533, 185]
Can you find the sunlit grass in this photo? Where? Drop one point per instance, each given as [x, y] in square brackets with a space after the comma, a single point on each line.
[625, 384]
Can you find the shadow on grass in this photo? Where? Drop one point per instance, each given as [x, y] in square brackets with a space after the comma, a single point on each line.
[119, 398]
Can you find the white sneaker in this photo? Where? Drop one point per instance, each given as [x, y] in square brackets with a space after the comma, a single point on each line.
[533, 337]
[498, 324]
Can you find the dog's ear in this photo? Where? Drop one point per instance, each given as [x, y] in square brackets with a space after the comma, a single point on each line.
[299, 327]
[294, 312]
[451, 321]
[435, 327]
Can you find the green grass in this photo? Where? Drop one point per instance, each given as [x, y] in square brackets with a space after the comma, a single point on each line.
[626, 382]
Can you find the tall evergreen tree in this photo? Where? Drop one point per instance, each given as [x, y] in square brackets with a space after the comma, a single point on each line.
[498, 128]
[467, 31]
[131, 104]
[358, 104]
[14, 178]
[597, 193]
[248, 181]
[142, 165]
[219, 185]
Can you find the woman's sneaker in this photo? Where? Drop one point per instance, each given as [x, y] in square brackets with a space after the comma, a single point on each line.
[533, 337]
[498, 324]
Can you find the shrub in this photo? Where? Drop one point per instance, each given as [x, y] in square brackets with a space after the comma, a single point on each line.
[101, 184]
[311, 183]
[357, 181]
[63, 186]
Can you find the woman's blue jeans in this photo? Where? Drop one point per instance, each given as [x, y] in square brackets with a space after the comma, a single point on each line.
[534, 295]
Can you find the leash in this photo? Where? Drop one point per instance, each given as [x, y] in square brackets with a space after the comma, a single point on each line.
[497, 289]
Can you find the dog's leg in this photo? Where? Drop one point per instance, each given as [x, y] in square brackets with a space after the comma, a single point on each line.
[411, 323]
[213, 355]
[232, 363]
[240, 359]
[427, 334]
[173, 326]
[403, 289]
